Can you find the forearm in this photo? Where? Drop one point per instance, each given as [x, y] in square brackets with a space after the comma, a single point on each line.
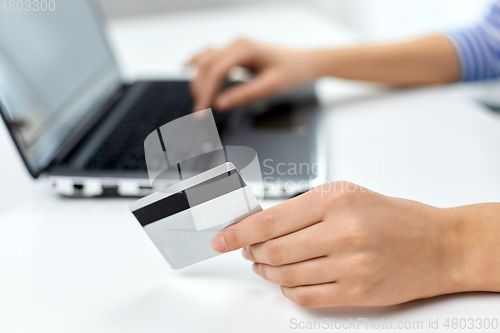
[479, 251]
[429, 60]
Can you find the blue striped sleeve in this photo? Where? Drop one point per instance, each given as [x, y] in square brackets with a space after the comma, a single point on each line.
[478, 48]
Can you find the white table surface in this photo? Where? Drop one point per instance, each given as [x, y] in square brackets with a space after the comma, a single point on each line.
[71, 265]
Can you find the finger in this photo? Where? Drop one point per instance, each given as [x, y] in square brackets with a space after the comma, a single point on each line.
[298, 246]
[264, 84]
[309, 272]
[315, 296]
[198, 82]
[212, 73]
[287, 217]
[199, 58]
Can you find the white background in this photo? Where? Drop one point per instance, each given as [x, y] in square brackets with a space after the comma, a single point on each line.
[374, 18]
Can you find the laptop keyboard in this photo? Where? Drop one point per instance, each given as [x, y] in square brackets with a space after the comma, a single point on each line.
[123, 148]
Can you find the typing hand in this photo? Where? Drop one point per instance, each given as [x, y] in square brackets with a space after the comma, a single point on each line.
[343, 245]
[276, 68]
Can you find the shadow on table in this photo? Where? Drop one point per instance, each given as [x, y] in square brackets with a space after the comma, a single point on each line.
[385, 311]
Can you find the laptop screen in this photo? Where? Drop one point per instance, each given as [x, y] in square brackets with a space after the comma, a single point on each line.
[55, 68]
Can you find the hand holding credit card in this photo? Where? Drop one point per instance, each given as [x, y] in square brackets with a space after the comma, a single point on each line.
[182, 217]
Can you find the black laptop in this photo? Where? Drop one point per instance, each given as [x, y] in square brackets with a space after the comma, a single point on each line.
[80, 127]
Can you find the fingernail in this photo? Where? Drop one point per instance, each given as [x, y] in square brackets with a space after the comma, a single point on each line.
[219, 244]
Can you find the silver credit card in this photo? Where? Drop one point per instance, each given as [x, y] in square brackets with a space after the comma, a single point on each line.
[183, 220]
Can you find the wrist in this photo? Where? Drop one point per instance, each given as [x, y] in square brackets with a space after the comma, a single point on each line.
[476, 247]
[318, 63]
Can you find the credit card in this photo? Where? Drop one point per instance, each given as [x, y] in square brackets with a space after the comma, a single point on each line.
[183, 220]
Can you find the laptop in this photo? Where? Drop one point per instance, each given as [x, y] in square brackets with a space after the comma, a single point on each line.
[81, 128]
